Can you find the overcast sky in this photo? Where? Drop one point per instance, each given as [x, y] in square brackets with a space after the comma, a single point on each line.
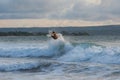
[67, 12]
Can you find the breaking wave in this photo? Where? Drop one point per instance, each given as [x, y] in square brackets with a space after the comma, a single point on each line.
[60, 50]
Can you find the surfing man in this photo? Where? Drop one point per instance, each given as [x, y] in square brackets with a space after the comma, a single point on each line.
[54, 35]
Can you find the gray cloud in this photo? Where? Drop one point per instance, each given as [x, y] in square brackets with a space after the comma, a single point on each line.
[108, 9]
[59, 9]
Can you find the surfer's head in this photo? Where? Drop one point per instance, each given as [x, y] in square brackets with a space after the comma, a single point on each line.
[53, 32]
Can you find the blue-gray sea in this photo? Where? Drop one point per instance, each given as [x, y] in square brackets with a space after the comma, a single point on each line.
[68, 58]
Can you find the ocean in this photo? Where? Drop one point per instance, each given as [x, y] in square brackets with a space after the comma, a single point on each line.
[68, 58]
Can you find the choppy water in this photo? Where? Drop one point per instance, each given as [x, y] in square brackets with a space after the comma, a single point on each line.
[70, 58]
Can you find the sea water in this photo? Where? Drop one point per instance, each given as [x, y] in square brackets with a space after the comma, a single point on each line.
[68, 58]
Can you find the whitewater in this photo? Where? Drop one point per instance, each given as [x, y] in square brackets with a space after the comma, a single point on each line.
[68, 58]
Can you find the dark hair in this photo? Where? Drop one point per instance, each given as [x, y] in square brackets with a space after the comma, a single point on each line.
[53, 32]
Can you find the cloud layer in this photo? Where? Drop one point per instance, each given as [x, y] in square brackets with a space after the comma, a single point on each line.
[88, 10]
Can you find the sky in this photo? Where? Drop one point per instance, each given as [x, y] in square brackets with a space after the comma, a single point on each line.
[41, 13]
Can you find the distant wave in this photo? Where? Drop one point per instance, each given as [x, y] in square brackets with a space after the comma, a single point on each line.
[8, 65]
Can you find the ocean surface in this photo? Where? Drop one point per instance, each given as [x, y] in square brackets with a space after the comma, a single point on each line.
[68, 58]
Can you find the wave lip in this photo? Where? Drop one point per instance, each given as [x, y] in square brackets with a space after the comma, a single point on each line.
[93, 53]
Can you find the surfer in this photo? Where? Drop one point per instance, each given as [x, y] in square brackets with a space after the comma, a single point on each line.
[54, 35]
